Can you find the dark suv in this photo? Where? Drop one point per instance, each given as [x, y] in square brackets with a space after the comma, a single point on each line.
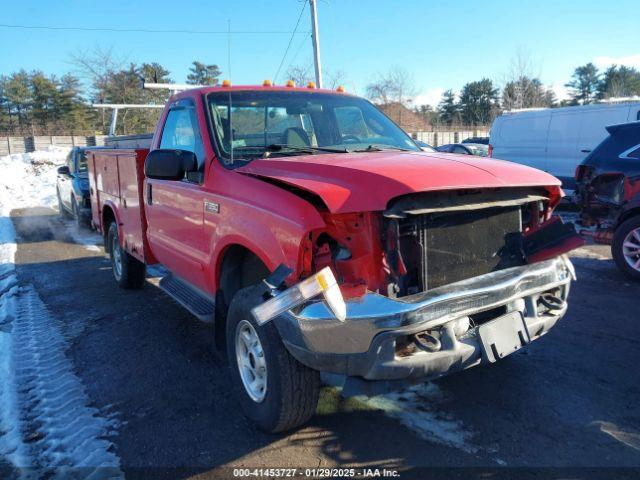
[608, 191]
[72, 186]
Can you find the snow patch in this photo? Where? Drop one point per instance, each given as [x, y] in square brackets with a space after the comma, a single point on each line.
[63, 431]
[45, 420]
[29, 179]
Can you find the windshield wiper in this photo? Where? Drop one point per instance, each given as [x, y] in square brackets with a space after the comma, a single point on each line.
[374, 148]
[279, 147]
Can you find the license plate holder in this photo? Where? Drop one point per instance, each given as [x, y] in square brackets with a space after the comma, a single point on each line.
[503, 336]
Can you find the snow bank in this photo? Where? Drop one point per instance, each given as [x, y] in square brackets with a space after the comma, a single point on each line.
[29, 179]
[40, 397]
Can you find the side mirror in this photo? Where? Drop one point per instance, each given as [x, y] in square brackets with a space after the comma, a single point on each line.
[165, 164]
[63, 170]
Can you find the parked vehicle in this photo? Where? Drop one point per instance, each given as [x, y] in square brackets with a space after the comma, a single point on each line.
[556, 140]
[317, 237]
[465, 149]
[425, 147]
[608, 183]
[480, 140]
[72, 186]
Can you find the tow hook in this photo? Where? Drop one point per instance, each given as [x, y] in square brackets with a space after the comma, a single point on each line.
[552, 302]
[427, 342]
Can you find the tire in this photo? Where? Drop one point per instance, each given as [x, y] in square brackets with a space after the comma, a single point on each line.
[625, 238]
[61, 210]
[128, 272]
[75, 213]
[291, 390]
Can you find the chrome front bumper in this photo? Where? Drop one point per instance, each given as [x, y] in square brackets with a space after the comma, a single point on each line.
[364, 345]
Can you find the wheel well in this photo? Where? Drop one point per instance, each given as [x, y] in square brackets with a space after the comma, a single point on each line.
[107, 218]
[240, 268]
[628, 214]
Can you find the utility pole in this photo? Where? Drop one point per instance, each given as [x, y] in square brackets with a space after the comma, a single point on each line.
[316, 42]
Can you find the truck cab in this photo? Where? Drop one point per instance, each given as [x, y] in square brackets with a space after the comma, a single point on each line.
[317, 236]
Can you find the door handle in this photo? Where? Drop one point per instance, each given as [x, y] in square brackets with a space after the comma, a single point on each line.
[149, 194]
[586, 150]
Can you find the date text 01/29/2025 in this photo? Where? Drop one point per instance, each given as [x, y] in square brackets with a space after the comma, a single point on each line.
[316, 472]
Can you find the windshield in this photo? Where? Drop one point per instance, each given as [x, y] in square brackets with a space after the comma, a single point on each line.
[256, 123]
[478, 149]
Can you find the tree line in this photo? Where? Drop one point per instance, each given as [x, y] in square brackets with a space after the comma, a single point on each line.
[479, 102]
[33, 103]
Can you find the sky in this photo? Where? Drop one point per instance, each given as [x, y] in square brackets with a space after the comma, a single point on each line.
[441, 44]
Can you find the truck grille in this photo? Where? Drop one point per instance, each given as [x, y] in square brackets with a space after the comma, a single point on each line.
[442, 248]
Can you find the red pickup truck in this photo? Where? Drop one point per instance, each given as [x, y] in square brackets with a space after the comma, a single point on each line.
[317, 237]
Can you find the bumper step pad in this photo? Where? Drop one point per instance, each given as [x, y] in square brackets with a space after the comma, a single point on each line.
[187, 296]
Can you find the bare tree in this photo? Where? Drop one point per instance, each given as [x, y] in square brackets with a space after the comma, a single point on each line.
[522, 87]
[97, 66]
[302, 75]
[334, 78]
[394, 86]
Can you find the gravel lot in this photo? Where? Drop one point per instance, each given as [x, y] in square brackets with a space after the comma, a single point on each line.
[570, 399]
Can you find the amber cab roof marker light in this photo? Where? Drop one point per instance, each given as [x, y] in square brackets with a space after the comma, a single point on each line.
[226, 83]
[267, 83]
[311, 85]
[291, 83]
[340, 89]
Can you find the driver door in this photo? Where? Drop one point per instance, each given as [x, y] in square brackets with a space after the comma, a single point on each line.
[175, 207]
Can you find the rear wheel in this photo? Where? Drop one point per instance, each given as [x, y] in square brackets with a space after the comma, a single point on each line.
[274, 390]
[626, 247]
[128, 272]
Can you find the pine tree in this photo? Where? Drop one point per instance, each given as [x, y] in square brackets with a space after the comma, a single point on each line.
[619, 82]
[201, 74]
[526, 92]
[478, 102]
[584, 84]
[448, 109]
[18, 95]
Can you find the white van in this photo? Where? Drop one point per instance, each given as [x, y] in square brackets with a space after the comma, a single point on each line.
[556, 140]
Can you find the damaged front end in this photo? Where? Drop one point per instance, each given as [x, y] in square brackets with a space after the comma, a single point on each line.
[436, 283]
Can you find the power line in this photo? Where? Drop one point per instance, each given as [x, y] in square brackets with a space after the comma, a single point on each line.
[275, 77]
[143, 30]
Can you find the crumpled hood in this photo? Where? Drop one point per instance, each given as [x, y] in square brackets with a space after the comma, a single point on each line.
[358, 182]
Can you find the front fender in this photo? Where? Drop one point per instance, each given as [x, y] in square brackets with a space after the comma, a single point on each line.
[270, 222]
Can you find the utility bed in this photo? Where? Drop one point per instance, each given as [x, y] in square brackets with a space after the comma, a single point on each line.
[116, 178]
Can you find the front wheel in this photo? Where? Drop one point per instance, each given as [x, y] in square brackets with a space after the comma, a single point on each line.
[75, 211]
[128, 272]
[626, 247]
[61, 210]
[274, 390]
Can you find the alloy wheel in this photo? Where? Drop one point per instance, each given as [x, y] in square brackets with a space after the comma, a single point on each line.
[631, 249]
